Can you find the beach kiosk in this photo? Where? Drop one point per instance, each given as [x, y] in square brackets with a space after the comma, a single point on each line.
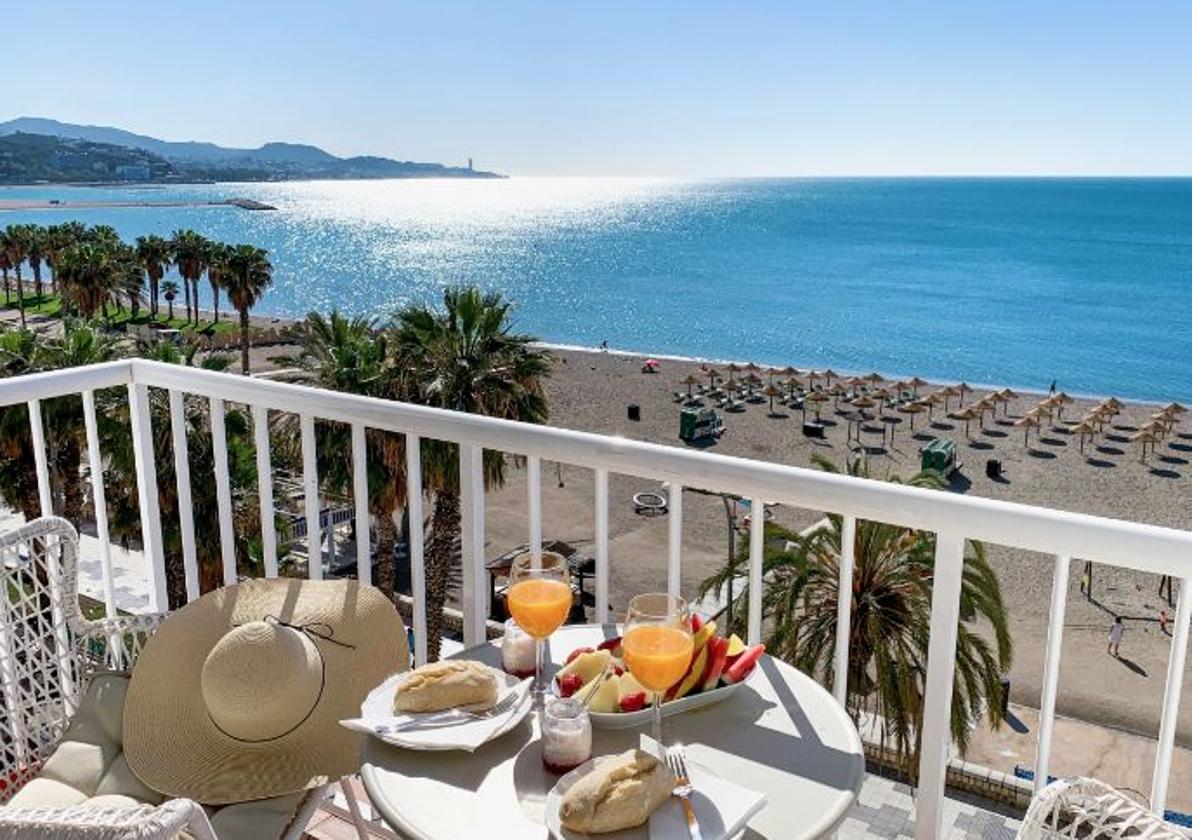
[939, 455]
[698, 424]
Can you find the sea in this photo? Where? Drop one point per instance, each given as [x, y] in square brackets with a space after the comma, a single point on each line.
[1086, 283]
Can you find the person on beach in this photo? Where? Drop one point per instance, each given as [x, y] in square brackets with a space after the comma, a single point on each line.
[1051, 391]
[1115, 636]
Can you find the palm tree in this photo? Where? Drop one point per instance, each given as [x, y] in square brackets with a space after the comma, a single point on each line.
[890, 618]
[348, 354]
[87, 275]
[190, 255]
[58, 239]
[169, 291]
[217, 260]
[5, 265]
[247, 273]
[13, 245]
[153, 255]
[465, 357]
[35, 252]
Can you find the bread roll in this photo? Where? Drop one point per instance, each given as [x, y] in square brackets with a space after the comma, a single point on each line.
[446, 685]
[620, 793]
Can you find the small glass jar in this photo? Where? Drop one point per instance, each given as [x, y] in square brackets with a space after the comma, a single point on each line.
[517, 651]
[566, 735]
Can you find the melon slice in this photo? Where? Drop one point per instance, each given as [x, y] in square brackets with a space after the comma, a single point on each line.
[717, 654]
[607, 697]
[630, 685]
[587, 665]
[736, 647]
[743, 665]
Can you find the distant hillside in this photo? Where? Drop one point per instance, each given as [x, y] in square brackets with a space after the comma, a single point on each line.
[271, 162]
[28, 158]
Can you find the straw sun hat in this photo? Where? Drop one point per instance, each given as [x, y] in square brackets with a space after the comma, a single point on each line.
[238, 695]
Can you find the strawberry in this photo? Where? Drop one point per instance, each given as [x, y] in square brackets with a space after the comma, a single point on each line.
[633, 702]
[612, 645]
[618, 670]
[571, 656]
[569, 684]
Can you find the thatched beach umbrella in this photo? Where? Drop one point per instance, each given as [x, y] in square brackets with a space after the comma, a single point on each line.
[690, 380]
[968, 415]
[916, 383]
[1085, 428]
[772, 391]
[948, 391]
[752, 368]
[734, 387]
[1143, 438]
[792, 383]
[912, 408]
[829, 375]
[862, 402]
[874, 378]
[733, 368]
[1175, 408]
[837, 391]
[789, 371]
[712, 375]
[817, 397]
[1026, 423]
[962, 389]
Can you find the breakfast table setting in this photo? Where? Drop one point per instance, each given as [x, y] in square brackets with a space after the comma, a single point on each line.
[657, 728]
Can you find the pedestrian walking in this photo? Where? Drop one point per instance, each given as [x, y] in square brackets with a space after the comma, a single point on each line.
[1115, 636]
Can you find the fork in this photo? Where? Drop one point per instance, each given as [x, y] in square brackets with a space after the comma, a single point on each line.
[450, 716]
[676, 760]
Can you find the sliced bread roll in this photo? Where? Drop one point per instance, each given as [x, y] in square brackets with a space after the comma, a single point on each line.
[446, 685]
[620, 793]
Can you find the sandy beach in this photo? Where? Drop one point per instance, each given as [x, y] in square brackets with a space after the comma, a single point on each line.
[590, 391]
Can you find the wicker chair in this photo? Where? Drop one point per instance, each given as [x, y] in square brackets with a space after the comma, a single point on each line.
[53, 662]
[1091, 810]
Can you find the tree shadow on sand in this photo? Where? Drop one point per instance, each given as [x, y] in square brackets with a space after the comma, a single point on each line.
[1050, 441]
[1110, 450]
[1041, 454]
[1172, 459]
[980, 444]
[994, 433]
[1100, 462]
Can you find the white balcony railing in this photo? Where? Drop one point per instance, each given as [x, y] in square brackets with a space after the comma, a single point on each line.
[953, 518]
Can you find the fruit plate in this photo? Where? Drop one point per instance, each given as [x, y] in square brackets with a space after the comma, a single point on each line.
[642, 717]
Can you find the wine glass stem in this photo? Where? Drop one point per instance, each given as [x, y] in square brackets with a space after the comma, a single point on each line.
[658, 718]
[539, 680]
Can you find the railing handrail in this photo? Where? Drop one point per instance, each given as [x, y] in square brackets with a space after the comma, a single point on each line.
[1144, 547]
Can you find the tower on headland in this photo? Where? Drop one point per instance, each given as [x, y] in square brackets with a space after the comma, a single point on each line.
[469, 164]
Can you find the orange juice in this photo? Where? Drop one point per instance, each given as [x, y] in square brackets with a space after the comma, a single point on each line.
[539, 606]
[657, 655]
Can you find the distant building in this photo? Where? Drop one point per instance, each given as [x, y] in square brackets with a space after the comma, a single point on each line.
[134, 171]
[469, 164]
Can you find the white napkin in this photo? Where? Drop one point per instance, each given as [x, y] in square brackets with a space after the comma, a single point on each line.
[378, 719]
[723, 808]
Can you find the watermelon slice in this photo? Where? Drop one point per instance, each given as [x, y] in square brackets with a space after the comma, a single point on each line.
[743, 666]
[692, 679]
[696, 622]
[717, 654]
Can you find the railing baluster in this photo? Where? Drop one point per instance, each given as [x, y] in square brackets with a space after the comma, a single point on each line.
[844, 607]
[146, 466]
[1051, 668]
[37, 431]
[602, 569]
[417, 563]
[310, 489]
[471, 483]
[1171, 696]
[757, 544]
[260, 432]
[360, 499]
[99, 502]
[223, 490]
[941, 659]
[186, 516]
[534, 493]
[674, 538]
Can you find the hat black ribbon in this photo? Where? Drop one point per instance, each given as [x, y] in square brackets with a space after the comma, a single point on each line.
[315, 629]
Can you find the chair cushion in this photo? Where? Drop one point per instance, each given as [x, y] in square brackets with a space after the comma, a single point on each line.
[89, 766]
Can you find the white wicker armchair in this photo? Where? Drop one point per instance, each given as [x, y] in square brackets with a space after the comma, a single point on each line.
[48, 649]
[49, 654]
[1091, 810]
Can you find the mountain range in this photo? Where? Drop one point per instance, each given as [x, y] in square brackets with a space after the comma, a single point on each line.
[197, 160]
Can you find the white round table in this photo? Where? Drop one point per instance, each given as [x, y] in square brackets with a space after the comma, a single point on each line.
[782, 735]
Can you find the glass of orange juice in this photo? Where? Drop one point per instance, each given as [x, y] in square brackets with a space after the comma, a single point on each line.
[657, 645]
[539, 599]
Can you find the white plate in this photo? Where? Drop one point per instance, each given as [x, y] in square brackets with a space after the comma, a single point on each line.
[555, 797]
[378, 705]
[628, 720]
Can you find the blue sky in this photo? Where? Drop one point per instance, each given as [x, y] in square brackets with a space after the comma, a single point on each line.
[659, 88]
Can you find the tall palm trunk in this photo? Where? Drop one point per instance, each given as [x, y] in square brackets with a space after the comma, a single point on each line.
[386, 568]
[21, 295]
[214, 298]
[186, 290]
[196, 300]
[244, 340]
[441, 555]
[37, 280]
[7, 287]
